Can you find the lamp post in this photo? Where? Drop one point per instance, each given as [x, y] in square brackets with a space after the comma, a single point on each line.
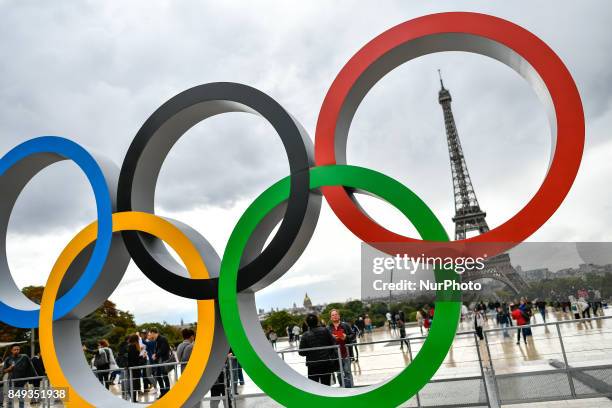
[390, 281]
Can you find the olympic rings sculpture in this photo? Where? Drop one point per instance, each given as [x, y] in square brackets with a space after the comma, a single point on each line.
[92, 264]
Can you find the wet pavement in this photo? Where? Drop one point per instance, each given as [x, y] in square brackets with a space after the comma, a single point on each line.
[586, 344]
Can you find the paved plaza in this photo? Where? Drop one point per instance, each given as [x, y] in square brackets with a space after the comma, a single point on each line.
[586, 344]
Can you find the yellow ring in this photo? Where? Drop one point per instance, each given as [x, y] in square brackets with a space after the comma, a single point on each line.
[162, 229]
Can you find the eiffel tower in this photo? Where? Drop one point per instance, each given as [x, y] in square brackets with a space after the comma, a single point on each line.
[468, 215]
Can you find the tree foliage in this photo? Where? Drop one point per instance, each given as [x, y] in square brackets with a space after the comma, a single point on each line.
[278, 321]
[106, 322]
[559, 289]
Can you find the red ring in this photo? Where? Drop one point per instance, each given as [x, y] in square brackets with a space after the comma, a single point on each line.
[562, 89]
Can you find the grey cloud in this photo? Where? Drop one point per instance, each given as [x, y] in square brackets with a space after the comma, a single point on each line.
[95, 71]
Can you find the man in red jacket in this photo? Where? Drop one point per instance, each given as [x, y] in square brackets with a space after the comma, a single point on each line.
[343, 335]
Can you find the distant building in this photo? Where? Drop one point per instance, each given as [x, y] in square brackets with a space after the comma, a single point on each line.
[307, 302]
[307, 307]
[536, 274]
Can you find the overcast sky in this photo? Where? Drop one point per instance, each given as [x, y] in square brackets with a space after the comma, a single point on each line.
[95, 71]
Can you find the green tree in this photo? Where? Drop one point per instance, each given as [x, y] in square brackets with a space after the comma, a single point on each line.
[106, 322]
[280, 320]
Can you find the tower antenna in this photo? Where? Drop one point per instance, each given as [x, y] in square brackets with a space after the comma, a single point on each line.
[440, 75]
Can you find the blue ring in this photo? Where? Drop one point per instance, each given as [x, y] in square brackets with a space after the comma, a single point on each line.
[75, 295]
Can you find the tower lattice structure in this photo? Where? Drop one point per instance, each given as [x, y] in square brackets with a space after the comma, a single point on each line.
[468, 214]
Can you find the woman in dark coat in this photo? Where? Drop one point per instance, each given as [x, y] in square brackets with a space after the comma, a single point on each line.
[134, 360]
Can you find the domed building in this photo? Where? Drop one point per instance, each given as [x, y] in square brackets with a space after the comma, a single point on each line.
[307, 302]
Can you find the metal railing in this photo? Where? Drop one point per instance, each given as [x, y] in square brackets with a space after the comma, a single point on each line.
[428, 396]
[29, 385]
[555, 371]
[553, 378]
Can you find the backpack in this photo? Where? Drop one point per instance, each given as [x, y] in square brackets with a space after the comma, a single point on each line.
[525, 315]
[101, 358]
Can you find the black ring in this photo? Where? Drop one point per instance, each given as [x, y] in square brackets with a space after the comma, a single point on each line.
[148, 151]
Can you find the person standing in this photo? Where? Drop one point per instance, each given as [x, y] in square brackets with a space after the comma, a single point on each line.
[464, 312]
[320, 362]
[368, 324]
[273, 337]
[296, 333]
[354, 350]
[402, 331]
[574, 307]
[541, 305]
[183, 351]
[17, 366]
[585, 308]
[122, 363]
[478, 323]
[147, 348]
[343, 335]
[427, 324]
[597, 304]
[104, 360]
[289, 334]
[521, 320]
[134, 359]
[39, 369]
[504, 319]
[394, 323]
[160, 356]
[420, 320]
[360, 325]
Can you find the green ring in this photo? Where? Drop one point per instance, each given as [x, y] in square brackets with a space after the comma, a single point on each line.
[409, 381]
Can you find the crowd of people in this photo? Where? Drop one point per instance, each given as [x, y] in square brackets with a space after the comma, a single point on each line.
[143, 363]
[150, 359]
[523, 313]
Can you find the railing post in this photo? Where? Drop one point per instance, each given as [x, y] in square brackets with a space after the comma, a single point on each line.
[418, 398]
[131, 384]
[125, 374]
[492, 367]
[230, 391]
[567, 370]
[482, 372]
[340, 366]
